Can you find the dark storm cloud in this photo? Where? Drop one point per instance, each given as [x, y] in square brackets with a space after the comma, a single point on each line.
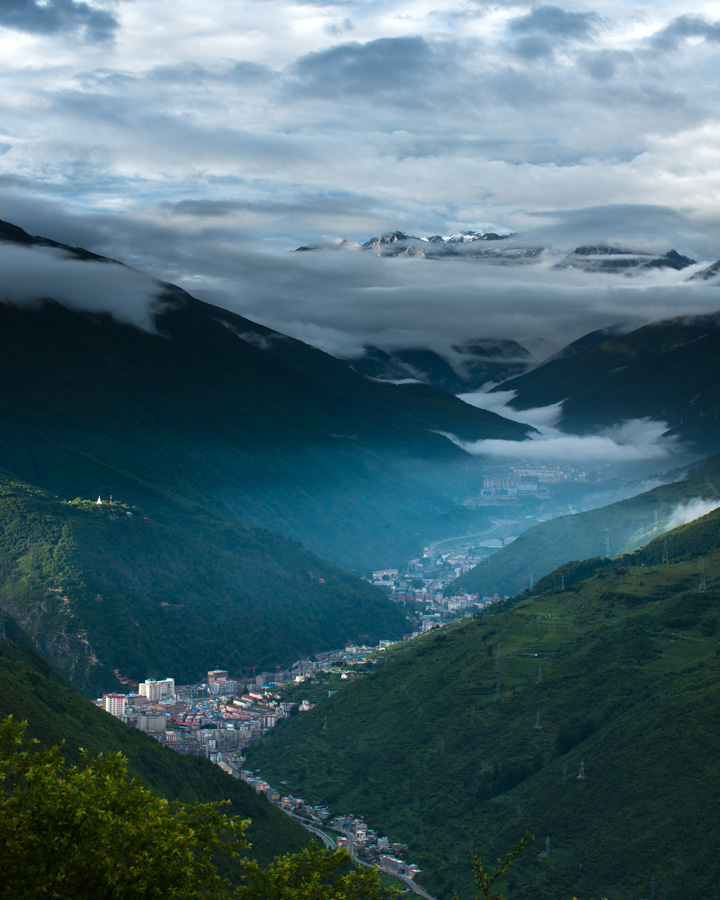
[683, 27]
[55, 16]
[557, 23]
[381, 66]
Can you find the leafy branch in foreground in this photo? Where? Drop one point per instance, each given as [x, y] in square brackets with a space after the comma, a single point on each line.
[486, 880]
[92, 833]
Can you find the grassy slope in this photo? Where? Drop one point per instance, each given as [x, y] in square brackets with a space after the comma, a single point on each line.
[100, 590]
[438, 747]
[30, 691]
[627, 525]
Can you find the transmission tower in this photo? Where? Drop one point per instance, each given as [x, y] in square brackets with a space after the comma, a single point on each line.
[325, 724]
[581, 773]
[539, 681]
[607, 546]
[562, 582]
[497, 689]
[537, 726]
[702, 587]
[665, 556]
[532, 581]
[655, 521]
[420, 712]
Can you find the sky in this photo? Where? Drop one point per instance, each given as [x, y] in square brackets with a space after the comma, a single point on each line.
[203, 142]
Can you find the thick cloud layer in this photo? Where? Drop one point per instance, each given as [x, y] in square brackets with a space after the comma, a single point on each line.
[204, 142]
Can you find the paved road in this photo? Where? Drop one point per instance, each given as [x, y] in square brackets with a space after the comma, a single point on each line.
[328, 841]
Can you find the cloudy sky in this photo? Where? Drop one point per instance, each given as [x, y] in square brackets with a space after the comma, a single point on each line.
[203, 142]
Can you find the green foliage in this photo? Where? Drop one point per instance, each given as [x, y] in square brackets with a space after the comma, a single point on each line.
[314, 874]
[88, 831]
[486, 880]
[56, 714]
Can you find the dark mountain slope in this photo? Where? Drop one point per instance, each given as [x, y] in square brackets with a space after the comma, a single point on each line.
[103, 589]
[476, 733]
[625, 526]
[285, 437]
[666, 371]
[30, 691]
[474, 364]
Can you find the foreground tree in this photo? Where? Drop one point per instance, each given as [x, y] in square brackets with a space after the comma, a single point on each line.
[92, 833]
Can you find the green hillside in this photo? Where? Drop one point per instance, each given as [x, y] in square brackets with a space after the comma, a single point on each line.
[666, 371]
[104, 588]
[439, 747]
[625, 525]
[30, 690]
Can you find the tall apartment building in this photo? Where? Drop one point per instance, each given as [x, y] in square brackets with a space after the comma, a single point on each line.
[115, 704]
[157, 690]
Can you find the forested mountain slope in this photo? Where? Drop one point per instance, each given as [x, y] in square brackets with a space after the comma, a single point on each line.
[476, 733]
[102, 588]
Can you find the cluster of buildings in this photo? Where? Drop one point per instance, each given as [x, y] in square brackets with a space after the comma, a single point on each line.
[220, 717]
[350, 831]
[422, 587]
[532, 478]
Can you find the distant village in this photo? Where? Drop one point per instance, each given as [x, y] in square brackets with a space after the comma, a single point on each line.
[220, 717]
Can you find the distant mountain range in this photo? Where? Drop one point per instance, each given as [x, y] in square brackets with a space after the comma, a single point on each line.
[508, 249]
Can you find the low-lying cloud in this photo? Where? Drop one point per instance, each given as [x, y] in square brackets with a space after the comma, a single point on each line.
[539, 417]
[688, 512]
[633, 441]
[31, 275]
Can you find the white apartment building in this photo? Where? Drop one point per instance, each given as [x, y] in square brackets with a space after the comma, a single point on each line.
[157, 690]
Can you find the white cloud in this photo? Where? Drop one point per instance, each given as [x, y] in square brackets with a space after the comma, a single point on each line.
[688, 512]
[634, 441]
[540, 417]
[33, 274]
